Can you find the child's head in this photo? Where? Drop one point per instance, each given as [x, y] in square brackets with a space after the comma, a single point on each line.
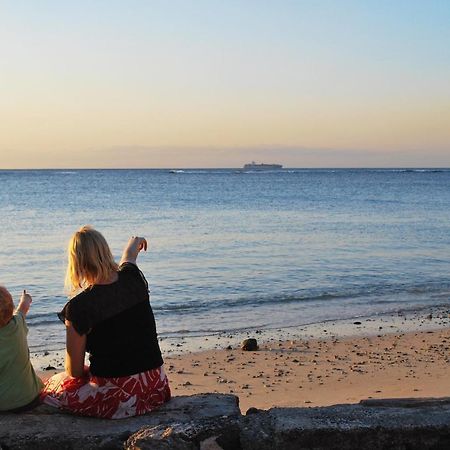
[6, 306]
[89, 259]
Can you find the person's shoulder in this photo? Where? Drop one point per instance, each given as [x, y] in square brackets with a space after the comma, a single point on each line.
[79, 310]
[80, 300]
[130, 272]
[128, 267]
[17, 322]
[19, 317]
[75, 306]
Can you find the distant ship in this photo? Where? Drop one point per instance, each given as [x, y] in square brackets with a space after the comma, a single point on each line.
[255, 166]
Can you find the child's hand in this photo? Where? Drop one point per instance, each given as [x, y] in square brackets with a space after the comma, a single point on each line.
[24, 303]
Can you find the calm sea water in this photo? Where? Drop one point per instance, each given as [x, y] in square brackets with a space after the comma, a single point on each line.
[232, 250]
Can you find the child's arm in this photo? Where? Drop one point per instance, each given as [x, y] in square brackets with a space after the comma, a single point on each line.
[24, 303]
[132, 249]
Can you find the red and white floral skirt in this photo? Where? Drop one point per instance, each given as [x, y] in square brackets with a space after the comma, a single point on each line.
[111, 398]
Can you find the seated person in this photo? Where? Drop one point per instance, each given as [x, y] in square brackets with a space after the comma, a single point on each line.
[109, 316]
[19, 385]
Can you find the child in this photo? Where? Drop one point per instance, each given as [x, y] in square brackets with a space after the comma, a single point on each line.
[19, 385]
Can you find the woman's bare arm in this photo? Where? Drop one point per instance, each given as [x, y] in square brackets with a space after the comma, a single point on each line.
[75, 350]
[132, 249]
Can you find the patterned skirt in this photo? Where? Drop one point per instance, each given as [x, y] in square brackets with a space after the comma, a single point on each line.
[110, 398]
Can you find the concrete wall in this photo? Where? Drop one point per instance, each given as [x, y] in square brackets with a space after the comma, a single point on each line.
[214, 422]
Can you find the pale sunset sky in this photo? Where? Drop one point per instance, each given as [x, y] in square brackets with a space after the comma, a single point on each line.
[197, 83]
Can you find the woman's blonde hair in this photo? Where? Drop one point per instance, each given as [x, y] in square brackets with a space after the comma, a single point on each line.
[6, 306]
[89, 260]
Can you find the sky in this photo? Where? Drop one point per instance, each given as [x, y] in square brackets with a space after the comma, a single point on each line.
[196, 83]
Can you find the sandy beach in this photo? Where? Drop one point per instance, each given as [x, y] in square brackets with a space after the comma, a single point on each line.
[320, 372]
[388, 357]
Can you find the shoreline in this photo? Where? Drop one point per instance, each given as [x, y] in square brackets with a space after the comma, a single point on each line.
[400, 355]
[432, 318]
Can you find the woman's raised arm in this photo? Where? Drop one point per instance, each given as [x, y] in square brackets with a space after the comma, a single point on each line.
[132, 249]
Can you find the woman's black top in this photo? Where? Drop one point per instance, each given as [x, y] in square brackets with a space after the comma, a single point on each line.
[119, 323]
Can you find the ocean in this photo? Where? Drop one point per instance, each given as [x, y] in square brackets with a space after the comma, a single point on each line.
[234, 251]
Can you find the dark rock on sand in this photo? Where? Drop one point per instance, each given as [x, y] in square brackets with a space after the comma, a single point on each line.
[249, 345]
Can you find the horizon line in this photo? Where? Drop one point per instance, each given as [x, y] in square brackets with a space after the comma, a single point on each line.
[233, 168]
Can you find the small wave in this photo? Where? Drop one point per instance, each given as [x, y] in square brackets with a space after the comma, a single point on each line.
[39, 323]
[39, 319]
[427, 170]
[264, 171]
[38, 316]
[419, 170]
[369, 293]
[184, 307]
[200, 171]
[402, 170]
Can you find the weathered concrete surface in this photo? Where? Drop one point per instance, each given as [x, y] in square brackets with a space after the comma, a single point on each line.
[213, 422]
[45, 428]
[215, 434]
[426, 426]
[423, 424]
[405, 402]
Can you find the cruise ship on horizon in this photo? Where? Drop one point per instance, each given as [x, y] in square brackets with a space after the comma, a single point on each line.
[255, 166]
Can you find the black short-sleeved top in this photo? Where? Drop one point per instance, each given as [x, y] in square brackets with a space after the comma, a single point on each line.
[119, 323]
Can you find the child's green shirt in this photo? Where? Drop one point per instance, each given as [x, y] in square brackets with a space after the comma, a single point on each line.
[19, 384]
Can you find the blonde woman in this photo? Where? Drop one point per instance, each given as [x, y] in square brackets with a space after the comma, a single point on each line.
[110, 317]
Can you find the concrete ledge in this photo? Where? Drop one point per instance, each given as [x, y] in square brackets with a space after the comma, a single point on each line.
[45, 428]
[405, 402]
[350, 427]
[213, 422]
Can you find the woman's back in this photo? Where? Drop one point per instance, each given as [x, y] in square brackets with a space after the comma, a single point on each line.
[119, 323]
